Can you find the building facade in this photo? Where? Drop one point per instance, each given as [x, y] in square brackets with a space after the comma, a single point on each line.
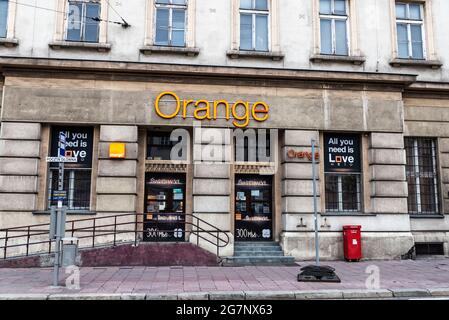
[176, 107]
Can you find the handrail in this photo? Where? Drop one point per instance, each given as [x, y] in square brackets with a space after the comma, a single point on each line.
[24, 236]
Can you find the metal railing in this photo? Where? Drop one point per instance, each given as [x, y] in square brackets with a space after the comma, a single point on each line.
[21, 241]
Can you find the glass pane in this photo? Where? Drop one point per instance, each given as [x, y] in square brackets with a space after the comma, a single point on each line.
[427, 188]
[163, 1]
[246, 30]
[80, 192]
[262, 32]
[341, 44]
[340, 7]
[326, 36]
[415, 11]
[350, 192]
[417, 43]
[261, 4]
[179, 19]
[182, 2]
[178, 38]
[402, 41]
[325, 7]
[401, 11]
[3, 18]
[92, 27]
[246, 4]
[162, 16]
[74, 22]
[331, 193]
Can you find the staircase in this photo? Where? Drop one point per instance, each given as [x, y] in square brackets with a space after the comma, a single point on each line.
[258, 253]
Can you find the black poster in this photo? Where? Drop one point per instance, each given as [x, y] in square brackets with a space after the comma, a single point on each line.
[342, 152]
[79, 142]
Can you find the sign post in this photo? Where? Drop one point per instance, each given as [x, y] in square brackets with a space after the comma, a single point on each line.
[315, 209]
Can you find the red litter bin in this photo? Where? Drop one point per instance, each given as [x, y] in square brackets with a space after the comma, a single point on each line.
[352, 243]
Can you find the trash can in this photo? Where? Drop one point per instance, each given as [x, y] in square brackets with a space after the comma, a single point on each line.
[352, 243]
[69, 251]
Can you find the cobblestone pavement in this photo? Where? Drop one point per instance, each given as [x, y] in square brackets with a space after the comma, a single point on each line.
[417, 274]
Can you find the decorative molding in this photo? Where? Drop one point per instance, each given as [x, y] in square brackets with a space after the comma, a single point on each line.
[100, 47]
[188, 51]
[356, 60]
[266, 169]
[165, 166]
[235, 54]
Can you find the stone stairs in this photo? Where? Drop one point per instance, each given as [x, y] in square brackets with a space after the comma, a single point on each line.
[258, 253]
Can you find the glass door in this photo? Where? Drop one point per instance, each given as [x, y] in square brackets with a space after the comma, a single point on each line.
[253, 208]
[164, 207]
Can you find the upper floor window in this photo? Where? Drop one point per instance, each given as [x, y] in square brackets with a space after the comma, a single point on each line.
[334, 20]
[254, 15]
[3, 18]
[410, 30]
[160, 146]
[171, 22]
[422, 176]
[83, 23]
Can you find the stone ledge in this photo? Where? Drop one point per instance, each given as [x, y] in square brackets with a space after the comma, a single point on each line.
[434, 64]
[9, 42]
[237, 54]
[318, 58]
[188, 51]
[410, 293]
[101, 47]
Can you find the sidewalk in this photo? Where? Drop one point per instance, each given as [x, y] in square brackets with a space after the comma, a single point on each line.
[419, 278]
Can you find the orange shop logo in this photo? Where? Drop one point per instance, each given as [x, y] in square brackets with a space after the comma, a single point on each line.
[293, 154]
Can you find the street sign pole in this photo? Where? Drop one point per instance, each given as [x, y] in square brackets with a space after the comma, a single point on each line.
[315, 208]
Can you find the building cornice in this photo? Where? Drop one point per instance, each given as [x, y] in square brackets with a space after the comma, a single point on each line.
[30, 66]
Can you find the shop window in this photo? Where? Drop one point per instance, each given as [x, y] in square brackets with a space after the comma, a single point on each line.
[422, 176]
[171, 22]
[160, 146]
[3, 18]
[334, 19]
[410, 30]
[83, 22]
[343, 188]
[77, 176]
[254, 20]
[252, 146]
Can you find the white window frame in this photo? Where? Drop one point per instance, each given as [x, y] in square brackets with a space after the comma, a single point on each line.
[171, 7]
[334, 17]
[408, 23]
[83, 20]
[11, 21]
[254, 13]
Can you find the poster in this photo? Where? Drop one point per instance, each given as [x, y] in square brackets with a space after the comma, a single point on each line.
[342, 153]
[79, 142]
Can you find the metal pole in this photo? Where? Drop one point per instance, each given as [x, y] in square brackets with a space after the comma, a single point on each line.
[315, 210]
[58, 219]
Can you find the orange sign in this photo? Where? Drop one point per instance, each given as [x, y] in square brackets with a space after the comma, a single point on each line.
[117, 151]
[292, 154]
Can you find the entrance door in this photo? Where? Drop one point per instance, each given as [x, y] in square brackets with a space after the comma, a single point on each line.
[164, 207]
[253, 208]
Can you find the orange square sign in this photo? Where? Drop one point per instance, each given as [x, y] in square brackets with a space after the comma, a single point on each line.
[117, 151]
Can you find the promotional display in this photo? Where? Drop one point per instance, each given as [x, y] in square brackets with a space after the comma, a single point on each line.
[164, 208]
[342, 153]
[253, 208]
[78, 144]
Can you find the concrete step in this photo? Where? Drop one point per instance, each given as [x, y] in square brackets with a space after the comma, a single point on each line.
[251, 253]
[256, 243]
[258, 249]
[259, 261]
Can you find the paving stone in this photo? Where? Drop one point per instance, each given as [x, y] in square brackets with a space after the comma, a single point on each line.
[367, 294]
[31, 296]
[193, 296]
[85, 296]
[439, 292]
[132, 296]
[319, 294]
[161, 296]
[410, 293]
[227, 295]
[269, 295]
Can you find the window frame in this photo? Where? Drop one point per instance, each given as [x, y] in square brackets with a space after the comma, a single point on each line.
[339, 193]
[254, 13]
[409, 22]
[435, 176]
[171, 7]
[83, 20]
[333, 17]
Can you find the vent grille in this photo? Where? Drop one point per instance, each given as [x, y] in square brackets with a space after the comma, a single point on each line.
[431, 248]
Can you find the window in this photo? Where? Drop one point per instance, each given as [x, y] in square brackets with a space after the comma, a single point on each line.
[410, 30]
[77, 176]
[422, 177]
[83, 22]
[3, 18]
[171, 22]
[254, 16]
[342, 172]
[334, 27]
[160, 146]
[252, 145]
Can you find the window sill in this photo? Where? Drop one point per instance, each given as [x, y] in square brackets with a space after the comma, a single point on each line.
[434, 64]
[427, 216]
[9, 42]
[101, 47]
[69, 212]
[319, 58]
[237, 54]
[347, 214]
[190, 52]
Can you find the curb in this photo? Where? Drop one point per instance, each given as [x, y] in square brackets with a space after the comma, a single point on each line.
[348, 294]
